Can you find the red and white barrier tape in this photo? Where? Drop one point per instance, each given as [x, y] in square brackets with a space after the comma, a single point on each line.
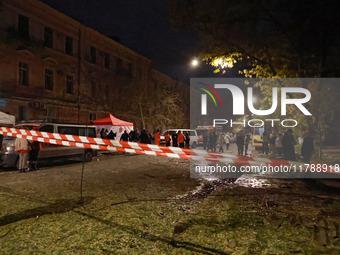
[147, 147]
[237, 160]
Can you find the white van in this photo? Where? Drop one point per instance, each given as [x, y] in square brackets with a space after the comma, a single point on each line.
[192, 134]
[10, 156]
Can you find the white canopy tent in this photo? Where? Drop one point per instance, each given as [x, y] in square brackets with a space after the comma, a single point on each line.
[6, 119]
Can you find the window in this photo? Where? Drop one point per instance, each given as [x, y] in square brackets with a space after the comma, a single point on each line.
[48, 79]
[69, 45]
[93, 55]
[23, 74]
[68, 130]
[48, 37]
[23, 27]
[69, 84]
[93, 116]
[47, 128]
[192, 133]
[119, 65]
[107, 60]
[21, 113]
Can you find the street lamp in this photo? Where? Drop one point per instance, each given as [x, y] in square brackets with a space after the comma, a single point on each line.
[194, 62]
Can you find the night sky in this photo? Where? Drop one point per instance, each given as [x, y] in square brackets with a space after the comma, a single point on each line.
[143, 28]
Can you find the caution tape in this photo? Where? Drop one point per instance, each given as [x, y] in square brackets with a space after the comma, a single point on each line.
[140, 146]
[116, 149]
[145, 149]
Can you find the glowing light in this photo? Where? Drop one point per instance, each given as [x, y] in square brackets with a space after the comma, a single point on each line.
[195, 62]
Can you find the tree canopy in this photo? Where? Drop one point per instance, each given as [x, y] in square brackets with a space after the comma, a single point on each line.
[272, 39]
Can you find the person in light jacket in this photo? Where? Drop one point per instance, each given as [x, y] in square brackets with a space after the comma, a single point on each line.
[22, 146]
[227, 140]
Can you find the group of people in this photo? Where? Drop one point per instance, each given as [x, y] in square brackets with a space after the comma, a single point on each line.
[242, 142]
[28, 154]
[279, 144]
[178, 139]
[284, 142]
[105, 134]
[211, 141]
[135, 136]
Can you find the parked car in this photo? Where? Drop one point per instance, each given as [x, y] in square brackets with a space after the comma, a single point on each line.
[10, 157]
[192, 134]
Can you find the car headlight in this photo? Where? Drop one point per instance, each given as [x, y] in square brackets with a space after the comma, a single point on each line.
[7, 148]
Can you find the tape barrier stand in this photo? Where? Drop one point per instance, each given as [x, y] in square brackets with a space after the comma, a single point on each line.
[145, 149]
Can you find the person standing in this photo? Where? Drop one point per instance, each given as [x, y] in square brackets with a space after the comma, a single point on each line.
[307, 147]
[125, 137]
[288, 143]
[135, 136]
[102, 133]
[205, 140]
[240, 143]
[272, 144]
[33, 155]
[180, 139]
[150, 138]
[111, 135]
[209, 138]
[158, 138]
[167, 138]
[187, 139]
[246, 144]
[278, 144]
[144, 138]
[22, 146]
[212, 141]
[221, 142]
[265, 142]
[227, 140]
[174, 139]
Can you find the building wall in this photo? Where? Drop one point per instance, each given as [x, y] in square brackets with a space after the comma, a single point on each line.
[99, 68]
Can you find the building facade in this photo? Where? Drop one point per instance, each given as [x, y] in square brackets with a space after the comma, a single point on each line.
[54, 68]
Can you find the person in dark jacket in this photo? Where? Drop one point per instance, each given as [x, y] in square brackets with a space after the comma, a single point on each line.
[205, 140]
[144, 138]
[111, 135]
[150, 138]
[288, 143]
[307, 148]
[125, 137]
[240, 143]
[33, 155]
[174, 139]
[102, 133]
[265, 143]
[187, 139]
[212, 141]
